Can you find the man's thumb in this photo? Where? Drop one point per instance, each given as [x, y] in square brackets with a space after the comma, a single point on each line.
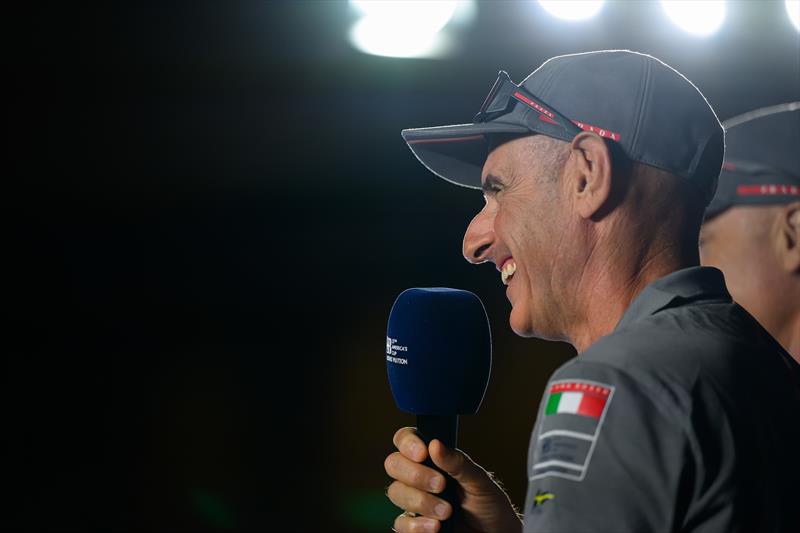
[469, 475]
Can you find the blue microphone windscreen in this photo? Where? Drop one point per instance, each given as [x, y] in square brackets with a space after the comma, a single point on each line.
[438, 351]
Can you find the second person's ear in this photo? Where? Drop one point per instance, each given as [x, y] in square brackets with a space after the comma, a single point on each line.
[788, 242]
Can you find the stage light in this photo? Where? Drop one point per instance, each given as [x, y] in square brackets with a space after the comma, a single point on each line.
[793, 10]
[700, 17]
[572, 9]
[404, 28]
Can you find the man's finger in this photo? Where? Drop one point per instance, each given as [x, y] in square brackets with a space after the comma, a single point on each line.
[417, 501]
[469, 475]
[415, 524]
[409, 444]
[413, 474]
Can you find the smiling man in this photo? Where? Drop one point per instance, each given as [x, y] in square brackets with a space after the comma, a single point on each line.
[752, 226]
[678, 414]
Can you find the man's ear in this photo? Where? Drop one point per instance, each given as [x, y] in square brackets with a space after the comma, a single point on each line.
[789, 237]
[589, 179]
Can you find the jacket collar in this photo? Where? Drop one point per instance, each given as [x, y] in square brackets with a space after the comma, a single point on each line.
[677, 288]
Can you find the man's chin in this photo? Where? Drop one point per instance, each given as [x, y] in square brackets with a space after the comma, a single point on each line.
[521, 324]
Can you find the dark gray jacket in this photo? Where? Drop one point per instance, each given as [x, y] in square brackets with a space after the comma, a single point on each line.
[685, 418]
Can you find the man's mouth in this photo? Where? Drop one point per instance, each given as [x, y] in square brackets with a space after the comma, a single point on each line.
[509, 267]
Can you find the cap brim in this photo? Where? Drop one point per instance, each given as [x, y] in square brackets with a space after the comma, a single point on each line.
[759, 185]
[457, 153]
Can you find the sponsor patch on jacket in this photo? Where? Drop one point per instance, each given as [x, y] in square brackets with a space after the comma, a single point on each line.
[573, 417]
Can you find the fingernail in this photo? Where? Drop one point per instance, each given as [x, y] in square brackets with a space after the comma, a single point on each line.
[440, 509]
[428, 525]
[436, 483]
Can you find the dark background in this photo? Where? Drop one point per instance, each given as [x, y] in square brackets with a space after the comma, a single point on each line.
[211, 213]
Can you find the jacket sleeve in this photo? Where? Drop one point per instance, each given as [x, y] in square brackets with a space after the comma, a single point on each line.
[608, 453]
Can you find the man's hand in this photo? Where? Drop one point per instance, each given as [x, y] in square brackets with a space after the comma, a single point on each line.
[484, 505]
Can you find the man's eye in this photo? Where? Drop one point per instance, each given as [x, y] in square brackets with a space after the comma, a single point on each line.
[492, 188]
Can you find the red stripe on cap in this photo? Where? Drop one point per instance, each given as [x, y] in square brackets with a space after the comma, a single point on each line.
[447, 140]
[602, 132]
[768, 190]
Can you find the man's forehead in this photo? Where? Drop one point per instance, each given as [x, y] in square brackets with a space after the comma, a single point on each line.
[506, 159]
[493, 168]
[500, 160]
[740, 219]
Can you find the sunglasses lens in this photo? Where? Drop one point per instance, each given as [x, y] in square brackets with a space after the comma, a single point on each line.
[490, 97]
[498, 98]
[501, 98]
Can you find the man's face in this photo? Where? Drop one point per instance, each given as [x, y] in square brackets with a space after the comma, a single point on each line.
[519, 231]
[737, 241]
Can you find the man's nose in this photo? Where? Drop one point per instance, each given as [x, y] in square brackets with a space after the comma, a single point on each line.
[479, 238]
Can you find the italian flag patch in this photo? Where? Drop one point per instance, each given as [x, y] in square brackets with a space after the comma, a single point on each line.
[577, 398]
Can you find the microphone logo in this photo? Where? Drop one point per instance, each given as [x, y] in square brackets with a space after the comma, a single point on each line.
[392, 349]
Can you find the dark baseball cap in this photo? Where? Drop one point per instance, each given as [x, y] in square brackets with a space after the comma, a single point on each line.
[762, 159]
[654, 114]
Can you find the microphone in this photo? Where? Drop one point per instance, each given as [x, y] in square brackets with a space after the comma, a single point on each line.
[439, 357]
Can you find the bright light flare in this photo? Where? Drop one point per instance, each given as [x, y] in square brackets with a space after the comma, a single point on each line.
[400, 28]
[699, 17]
[572, 9]
[793, 10]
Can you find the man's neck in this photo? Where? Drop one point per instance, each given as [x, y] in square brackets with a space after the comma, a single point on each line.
[604, 294]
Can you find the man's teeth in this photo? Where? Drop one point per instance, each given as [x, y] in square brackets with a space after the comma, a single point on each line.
[508, 270]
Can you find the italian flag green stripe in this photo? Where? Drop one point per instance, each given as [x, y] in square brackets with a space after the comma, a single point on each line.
[552, 403]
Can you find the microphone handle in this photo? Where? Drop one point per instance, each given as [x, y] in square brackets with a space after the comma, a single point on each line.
[444, 428]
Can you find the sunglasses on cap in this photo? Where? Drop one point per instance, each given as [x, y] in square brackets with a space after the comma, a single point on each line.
[505, 94]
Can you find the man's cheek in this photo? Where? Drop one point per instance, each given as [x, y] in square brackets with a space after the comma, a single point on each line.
[709, 256]
[705, 256]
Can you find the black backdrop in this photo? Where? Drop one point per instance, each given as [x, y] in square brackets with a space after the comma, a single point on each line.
[211, 212]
